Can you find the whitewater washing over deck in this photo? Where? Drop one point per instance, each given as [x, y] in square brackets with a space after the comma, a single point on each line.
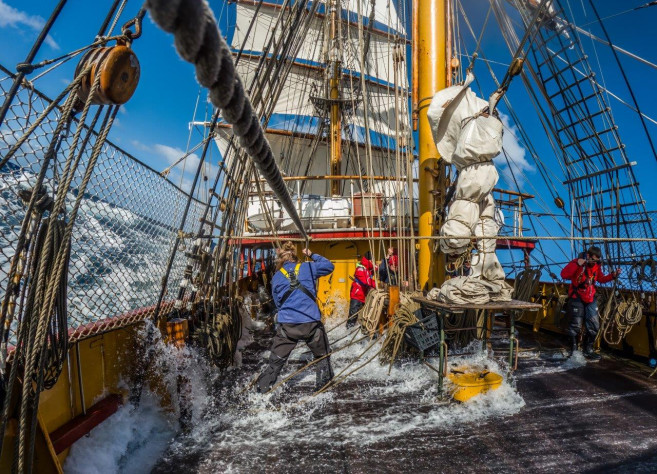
[380, 422]
[236, 429]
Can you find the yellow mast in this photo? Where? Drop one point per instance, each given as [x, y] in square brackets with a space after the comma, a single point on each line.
[430, 33]
[334, 96]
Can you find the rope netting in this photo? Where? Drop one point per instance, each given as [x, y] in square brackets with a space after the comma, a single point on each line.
[124, 231]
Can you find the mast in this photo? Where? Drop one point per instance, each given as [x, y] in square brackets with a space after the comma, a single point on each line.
[334, 74]
[431, 67]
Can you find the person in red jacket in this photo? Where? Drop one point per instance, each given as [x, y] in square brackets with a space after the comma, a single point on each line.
[583, 272]
[361, 285]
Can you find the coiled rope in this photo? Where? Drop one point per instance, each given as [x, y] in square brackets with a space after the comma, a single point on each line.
[52, 272]
[403, 318]
[370, 314]
[618, 318]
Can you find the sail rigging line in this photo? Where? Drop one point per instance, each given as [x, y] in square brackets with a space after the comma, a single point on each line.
[117, 16]
[528, 143]
[64, 58]
[108, 18]
[625, 78]
[198, 40]
[508, 30]
[368, 36]
[613, 46]
[475, 52]
[645, 5]
[533, 152]
[510, 73]
[43, 34]
[54, 274]
[248, 31]
[165, 172]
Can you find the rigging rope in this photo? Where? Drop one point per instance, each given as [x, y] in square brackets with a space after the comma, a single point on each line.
[198, 41]
[627, 81]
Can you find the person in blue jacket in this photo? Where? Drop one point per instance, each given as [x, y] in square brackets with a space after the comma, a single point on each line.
[299, 318]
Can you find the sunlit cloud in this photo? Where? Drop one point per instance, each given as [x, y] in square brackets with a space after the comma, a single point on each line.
[14, 18]
[512, 162]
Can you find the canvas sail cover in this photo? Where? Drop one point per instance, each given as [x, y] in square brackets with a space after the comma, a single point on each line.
[464, 132]
[469, 136]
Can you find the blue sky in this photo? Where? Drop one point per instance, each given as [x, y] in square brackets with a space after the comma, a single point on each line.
[154, 125]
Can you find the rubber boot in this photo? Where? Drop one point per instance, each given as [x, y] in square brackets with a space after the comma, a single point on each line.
[573, 345]
[324, 373]
[589, 353]
[268, 377]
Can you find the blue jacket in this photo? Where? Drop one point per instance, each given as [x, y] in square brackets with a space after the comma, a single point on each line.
[298, 307]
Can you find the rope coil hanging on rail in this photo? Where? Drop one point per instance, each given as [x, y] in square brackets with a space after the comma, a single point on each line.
[197, 40]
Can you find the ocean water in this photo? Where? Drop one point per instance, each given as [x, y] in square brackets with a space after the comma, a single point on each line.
[118, 254]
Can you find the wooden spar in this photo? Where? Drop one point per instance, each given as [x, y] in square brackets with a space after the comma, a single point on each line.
[414, 78]
[334, 95]
[431, 68]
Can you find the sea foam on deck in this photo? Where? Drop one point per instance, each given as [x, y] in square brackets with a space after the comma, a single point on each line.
[235, 429]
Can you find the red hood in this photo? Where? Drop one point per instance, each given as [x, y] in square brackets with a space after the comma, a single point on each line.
[367, 264]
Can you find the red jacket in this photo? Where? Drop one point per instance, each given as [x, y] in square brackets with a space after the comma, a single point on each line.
[582, 280]
[363, 280]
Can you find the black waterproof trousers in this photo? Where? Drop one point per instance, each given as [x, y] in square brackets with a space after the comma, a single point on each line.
[285, 340]
[587, 312]
[354, 307]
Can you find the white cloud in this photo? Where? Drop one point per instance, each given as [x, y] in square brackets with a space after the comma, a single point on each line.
[171, 155]
[7, 136]
[139, 145]
[517, 165]
[190, 165]
[12, 17]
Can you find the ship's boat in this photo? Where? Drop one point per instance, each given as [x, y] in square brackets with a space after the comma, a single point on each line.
[134, 292]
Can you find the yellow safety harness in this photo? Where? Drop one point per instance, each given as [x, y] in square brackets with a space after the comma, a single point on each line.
[295, 284]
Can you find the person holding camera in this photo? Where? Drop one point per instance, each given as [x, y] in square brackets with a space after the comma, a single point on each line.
[583, 272]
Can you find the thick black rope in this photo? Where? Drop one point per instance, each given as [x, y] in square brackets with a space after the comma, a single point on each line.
[197, 40]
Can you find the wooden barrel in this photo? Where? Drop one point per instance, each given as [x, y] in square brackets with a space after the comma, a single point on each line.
[119, 70]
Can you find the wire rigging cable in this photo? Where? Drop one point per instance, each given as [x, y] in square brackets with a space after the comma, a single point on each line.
[197, 40]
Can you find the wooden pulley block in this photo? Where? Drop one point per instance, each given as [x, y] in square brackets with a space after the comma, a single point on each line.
[516, 66]
[559, 202]
[118, 68]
